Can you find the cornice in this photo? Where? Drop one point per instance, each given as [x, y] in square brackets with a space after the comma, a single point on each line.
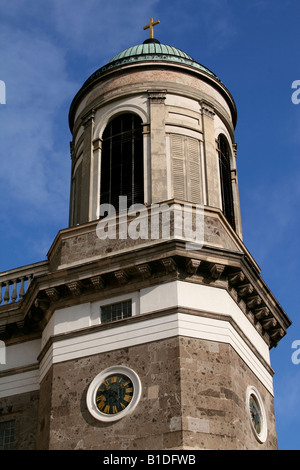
[115, 271]
[129, 68]
[138, 88]
[148, 316]
[164, 263]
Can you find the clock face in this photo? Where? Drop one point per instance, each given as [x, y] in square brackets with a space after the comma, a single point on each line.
[255, 414]
[114, 394]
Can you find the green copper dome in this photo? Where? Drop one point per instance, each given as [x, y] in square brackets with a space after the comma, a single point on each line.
[151, 48]
[151, 51]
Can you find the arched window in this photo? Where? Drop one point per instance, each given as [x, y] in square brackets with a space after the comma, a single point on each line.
[225, 175]
[122, 172]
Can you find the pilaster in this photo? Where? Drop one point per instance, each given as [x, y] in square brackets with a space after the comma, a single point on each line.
[210, 156]
[95, 179]
[235, 191]
[158, 146]
[88, 124]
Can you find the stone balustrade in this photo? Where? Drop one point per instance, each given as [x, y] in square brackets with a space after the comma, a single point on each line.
[15, 283]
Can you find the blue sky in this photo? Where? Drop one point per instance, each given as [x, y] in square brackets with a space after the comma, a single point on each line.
[49, 48]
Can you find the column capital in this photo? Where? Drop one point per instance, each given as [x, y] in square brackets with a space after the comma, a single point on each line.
[207, 109]
[157, 96]
[88, 118]
[97, 144]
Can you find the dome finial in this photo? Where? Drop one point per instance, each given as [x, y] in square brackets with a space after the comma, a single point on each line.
[150, 26]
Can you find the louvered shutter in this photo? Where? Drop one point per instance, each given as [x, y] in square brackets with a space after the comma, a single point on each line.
[194, 170]
[178, 166]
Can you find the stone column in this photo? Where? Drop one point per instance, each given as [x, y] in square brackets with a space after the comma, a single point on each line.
[95, 179]
[88, 124]
[158, 146]
[235, 194]
[210, 157]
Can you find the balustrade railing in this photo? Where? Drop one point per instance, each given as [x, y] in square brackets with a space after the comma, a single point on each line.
[15, 283]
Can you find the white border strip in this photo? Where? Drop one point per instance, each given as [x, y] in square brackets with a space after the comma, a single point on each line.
[151, 330]
[19, 383]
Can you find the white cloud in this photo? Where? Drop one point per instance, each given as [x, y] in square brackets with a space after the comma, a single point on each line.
[101, 27]
[39, 41]
[37, 85]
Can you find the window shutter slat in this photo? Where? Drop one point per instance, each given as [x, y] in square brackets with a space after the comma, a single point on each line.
[178, 166]
[194, 173]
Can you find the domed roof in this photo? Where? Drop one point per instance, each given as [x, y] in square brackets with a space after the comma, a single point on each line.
[151, 50]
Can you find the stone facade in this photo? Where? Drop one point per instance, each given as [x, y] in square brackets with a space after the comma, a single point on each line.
[193, 397]
[214, 381]
[23, 410]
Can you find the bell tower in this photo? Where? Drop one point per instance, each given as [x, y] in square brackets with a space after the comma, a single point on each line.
[155, 325]
[157, 128]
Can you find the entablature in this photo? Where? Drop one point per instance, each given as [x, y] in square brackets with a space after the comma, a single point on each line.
[161, 263]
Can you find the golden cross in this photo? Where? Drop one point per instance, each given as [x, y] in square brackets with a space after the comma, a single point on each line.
[150, 25]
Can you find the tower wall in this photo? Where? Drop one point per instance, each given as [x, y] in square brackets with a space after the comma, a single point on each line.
[195, 354]
[182, 118]
[21, 409]
[193, 397]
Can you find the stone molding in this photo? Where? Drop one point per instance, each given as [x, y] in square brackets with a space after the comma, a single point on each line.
[249, 294]
[138, 266]
[88, 118]
[162, 324]
[207, 109]
[216, 84]
[157, 96]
